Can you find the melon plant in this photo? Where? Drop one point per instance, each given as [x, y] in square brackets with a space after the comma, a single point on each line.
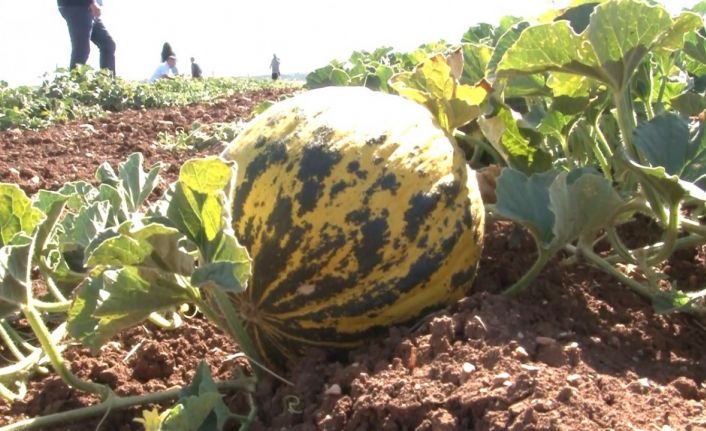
[358, 211]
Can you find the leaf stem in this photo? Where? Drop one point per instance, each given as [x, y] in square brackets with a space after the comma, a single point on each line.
[116, 402]
[236, 327]
[164, 323]
[521, 284]
[601, 263]
[35, 321]
[670, 236]
[10, 343]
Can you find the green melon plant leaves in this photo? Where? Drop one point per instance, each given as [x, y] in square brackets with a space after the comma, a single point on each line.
[609, 49]
[14, 274]
[557, 208]
[434, 84]
[134, 183]
[668, 141]
[16, 213]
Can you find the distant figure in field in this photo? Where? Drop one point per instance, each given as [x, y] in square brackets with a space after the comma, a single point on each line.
[167, 52]
[165, 70]
[274, 65]
[85, 26]
[195, 69]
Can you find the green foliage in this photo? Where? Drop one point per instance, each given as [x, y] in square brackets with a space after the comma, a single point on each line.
[435, 85]
[122, 259]
[371, 69]
[200, 136]
[84, 93]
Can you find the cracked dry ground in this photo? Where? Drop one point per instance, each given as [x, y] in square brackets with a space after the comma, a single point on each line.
[575, 352]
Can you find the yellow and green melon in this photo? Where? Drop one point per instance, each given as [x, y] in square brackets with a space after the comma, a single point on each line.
[358, 211]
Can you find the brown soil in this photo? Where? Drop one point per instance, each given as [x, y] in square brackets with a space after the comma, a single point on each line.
[576, 352]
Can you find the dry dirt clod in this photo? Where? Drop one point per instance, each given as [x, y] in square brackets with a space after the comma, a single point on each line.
[475, 329]
[686, 388]
[566, 394]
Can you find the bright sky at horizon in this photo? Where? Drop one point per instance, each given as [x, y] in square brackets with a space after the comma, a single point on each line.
[230, 38]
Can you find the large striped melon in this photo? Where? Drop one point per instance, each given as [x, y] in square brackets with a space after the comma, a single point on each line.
[359, 212]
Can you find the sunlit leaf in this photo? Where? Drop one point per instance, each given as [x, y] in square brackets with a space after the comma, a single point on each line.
[16, 213]
[121, 299]
[609, 50]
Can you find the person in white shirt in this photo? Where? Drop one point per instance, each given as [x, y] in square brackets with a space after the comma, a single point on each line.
[166, 70]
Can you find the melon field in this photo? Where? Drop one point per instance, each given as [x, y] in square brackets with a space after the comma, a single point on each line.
[504, 232]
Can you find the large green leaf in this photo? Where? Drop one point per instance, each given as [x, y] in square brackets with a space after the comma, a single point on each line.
[200, 406]
[228, 276]
[526, 200]
[557, 207]
[208, 176]
[120, 299]
[153, 245]
[583, 203]
[667, 141]
[200, 208]
[476, 57]
[434, 85]
[136, 183]
[504, 134]
[17, 215]
[14, 274]
[619, 36]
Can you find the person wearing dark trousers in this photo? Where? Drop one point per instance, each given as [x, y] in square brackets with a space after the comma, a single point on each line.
[85, 26]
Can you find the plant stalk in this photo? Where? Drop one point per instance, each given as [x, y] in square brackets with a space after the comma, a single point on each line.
[57, 360]
[113, 403]
[521, 284]
[236, 328]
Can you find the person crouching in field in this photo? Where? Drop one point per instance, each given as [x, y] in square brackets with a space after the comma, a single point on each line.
[166, 70]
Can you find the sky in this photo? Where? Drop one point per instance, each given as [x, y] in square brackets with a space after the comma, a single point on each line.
[238, 38]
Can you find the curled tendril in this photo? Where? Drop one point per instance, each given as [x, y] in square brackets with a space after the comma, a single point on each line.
[292, 404]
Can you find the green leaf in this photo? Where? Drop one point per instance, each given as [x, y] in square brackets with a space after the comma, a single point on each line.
[504, 134]
[550, 47]
[619, 36]
[526, 200]
[90, 221]
[667, 141]
[689, 103]
[433, 85]
[17, 215]
[121, 299]
[106, 175]
[583, 203]
[664, 141]
[153, 245]
[476, 58]
[15, 261]
[207, 176]
[565, 84]
[506, 40]
[200, 203]
[695, 47]
[202, 406]
[135, 183]
[228, 276]
[557, 207]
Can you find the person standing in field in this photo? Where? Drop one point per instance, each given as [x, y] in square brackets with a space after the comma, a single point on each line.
[196, 72]
[274, 65]
[85, 26]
